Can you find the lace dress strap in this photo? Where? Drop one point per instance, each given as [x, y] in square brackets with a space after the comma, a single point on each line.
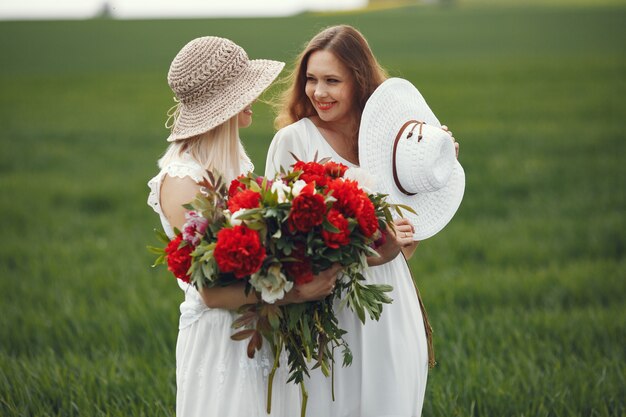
[246, 165]
[184, 167]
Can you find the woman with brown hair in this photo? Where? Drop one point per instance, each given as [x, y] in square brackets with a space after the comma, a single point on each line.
[320, 114]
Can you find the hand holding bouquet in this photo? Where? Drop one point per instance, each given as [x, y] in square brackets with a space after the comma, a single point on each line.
[275, 235]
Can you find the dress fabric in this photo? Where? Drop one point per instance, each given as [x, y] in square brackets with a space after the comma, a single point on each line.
[389, 370]
[214, 376]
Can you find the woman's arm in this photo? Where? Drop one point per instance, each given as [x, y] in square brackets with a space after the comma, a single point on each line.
[409, 250]
[175, 192]
[233, 296]
[320, 287]
[395, 240]
[178, 191]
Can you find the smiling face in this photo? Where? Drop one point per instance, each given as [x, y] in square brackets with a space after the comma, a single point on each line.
[329, 87]
[244, 118]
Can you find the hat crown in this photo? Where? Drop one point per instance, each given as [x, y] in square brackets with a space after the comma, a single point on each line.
[425, 159]
[204, 66]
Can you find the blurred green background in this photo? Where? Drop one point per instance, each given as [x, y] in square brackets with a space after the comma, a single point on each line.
[525, 288]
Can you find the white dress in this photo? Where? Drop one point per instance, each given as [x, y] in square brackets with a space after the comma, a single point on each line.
[388, 374]
[214, 376]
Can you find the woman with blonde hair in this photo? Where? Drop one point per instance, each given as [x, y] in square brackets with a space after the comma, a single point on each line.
[320, 115]
[215, 83]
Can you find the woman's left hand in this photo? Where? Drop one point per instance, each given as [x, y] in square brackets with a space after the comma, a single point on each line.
[456, 144]
[395, 240]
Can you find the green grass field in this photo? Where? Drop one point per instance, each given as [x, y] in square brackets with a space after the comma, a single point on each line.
[525, 288]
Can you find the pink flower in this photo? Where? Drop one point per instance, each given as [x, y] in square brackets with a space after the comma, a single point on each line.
[259, 181]
[194, 228]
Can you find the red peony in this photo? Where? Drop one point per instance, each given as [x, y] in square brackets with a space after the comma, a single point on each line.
[341, 238]
[239, 250]
[311, 172]
[300, 271]
[307, 211]
[235, 186]
[334, 169]
[245, 199]
[368, 222]
[178, 259]
[348, 195]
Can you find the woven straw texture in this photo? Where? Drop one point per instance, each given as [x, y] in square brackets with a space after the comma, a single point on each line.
[427, 167]
[213, 80]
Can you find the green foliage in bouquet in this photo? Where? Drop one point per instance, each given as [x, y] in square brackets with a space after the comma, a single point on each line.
[276, 234]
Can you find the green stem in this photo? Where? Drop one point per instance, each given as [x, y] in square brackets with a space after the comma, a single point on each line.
[307, 350]
[305, 397]
[332, 375]
[270, 381]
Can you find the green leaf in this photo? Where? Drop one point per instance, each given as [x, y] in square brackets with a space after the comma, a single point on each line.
[294, 157]
[209, 270]
[161, 260]
[274, 319]
[162, 236]
[255, 225]
[155, 250]
[328, 226]
[347, 356]
[371, 251]
[406, 208]
[306, 330]
[252, 213]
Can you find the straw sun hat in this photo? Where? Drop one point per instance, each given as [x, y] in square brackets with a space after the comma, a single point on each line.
[402, 144]
[213, 80]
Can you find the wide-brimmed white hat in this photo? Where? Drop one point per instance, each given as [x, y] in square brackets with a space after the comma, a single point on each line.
[402, 144]
[213, 80]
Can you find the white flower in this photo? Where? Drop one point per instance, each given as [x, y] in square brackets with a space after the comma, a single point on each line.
[272, 286]
[281, 190]
[297, 187]
[234, 218]
[366, 181]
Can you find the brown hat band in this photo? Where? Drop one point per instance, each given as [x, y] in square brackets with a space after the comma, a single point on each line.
[395, 147]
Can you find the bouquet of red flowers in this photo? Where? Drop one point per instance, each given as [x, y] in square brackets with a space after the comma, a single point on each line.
[276, 233]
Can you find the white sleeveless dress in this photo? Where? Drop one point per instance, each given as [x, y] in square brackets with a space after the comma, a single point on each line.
[389, 370]
[214, 376]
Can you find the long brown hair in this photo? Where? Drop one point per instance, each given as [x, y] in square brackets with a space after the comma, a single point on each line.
[352, 49]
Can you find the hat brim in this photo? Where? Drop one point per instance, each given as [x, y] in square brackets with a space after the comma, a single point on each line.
[205, 114]
[392, 104]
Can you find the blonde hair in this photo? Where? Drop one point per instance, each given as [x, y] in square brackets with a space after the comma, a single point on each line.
[219, 150]
[352, 49]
